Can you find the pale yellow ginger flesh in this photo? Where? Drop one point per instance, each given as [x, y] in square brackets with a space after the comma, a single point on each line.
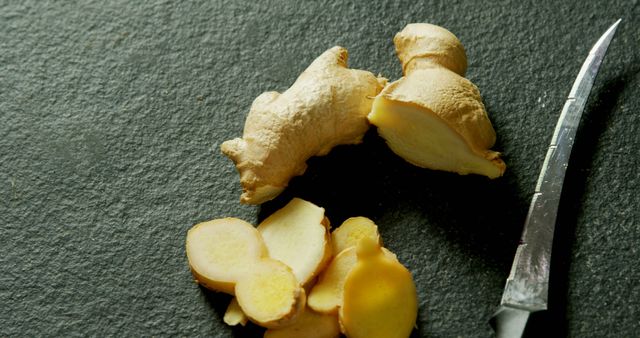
[380, 298]
[229, 255]
[351, 231]
[298, 236]
[270, 295]
[234, 314]
[325, 107]
[222, 251]
[310, 324]
[232, 256]
[326, 295]
[433, 117]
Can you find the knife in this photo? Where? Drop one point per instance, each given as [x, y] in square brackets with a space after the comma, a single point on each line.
[526, 289]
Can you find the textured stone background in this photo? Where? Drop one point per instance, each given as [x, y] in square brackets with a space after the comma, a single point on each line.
[112, 113]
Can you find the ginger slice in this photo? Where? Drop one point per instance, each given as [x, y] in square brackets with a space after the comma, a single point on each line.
[433, 117]
[380, 298]
[326, 295]
[270, 295]
[325, 107]
[222, 251]
[234, 314]
[310, 324]
[298, 236]
[351, 231]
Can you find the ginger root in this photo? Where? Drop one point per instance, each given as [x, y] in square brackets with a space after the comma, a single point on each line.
[325, 107]
[433, 117]
[379, 297]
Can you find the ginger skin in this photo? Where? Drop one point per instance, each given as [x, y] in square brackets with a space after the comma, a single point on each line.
[433, 117]
[325, 107]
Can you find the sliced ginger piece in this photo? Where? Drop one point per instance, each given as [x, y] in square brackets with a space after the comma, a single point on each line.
[433, 117]
[326, 295]
[222, 251]
[234, 314]
[270, 295]
[380, 298]
[298, 236]
[310, 324]
[351, 231]
[325, 107]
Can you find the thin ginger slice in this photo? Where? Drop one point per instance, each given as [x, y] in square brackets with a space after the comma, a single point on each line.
[222, 251]
[310, 324]
[326, 294]
[380, 298]
[433, 117]
[325, 107]
[234, 314]
[351, 231]
[298, 236]
[270, 295]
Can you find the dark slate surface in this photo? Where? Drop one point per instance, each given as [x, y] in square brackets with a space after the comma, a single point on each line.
[112, 113]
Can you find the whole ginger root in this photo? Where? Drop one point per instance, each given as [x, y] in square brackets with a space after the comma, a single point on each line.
[433, 117]
[325, 107]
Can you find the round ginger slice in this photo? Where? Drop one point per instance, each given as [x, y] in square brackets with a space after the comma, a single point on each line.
[351, 231]
[270, 295]
[380, 298]
[222, 251]
[310, 324]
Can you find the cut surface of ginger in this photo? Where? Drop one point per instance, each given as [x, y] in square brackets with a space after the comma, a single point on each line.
[234, 314]
[310, 324]
[433, 117]
[270, 295]
[380, 298]
[351, 231]
[222, 251]
[297, 235]
[422, 138]
[326, 295]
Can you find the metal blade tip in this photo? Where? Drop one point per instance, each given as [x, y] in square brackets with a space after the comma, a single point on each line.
[605, 39]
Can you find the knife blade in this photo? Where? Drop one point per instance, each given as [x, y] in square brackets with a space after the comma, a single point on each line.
[526, 289]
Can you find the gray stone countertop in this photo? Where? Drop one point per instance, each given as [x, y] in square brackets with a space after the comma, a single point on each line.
[112, 114]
